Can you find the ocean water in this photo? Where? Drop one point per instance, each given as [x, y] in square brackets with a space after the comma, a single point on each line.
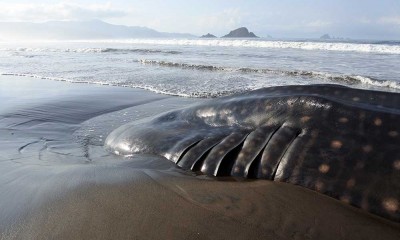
[207, 67]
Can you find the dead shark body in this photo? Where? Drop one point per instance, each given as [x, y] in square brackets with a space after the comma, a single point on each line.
[336, 140]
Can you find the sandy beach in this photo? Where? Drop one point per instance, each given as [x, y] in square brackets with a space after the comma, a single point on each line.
[58, 182]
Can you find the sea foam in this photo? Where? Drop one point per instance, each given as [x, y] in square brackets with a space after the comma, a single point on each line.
[90, 50]
[304, 45]
[340, 78]
[378, 48]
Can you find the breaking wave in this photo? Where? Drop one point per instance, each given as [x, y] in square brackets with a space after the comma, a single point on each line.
[92, 50]
[183, 65]
[223, 88]
[376, 47]
[153, 88]
[340, 78]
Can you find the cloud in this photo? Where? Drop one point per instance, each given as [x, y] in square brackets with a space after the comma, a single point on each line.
[317, 24]
[393, 20]
[364, 20]
[59, 11]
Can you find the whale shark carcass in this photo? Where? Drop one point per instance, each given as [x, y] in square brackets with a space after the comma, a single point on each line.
[336, 140]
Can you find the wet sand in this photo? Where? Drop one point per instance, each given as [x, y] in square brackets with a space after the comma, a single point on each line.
[57, 181]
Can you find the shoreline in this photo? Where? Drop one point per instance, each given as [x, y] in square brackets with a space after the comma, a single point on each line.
[59, 182]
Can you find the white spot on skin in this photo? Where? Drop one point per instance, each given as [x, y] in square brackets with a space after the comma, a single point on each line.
[336, 144]
[324, 168]
[356, 99]
[345, 199]
[350, 183]
[264, 171]
[390, 204]
[305, 119]
[319, 186]
[367, 148]
[396, 164]
[393, 134]
[378, 122]
[343, 120]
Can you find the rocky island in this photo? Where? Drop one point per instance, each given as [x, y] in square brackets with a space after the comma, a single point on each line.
[208, 35]
[325, 36]
[329, 37]
[240, 33]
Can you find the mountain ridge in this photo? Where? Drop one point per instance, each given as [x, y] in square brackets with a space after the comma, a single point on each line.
[76, 30]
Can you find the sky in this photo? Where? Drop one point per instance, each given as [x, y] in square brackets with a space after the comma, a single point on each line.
[360, 19]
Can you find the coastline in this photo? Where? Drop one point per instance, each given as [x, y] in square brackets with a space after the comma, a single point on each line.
[58, 182]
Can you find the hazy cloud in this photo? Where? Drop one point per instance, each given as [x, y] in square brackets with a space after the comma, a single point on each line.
[59, 11]
[318, 24]
[364, 20]
[393, 20]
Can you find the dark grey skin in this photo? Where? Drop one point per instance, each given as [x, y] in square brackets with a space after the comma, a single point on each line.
[336, 140]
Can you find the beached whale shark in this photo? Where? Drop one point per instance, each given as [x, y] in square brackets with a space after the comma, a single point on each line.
[336, 140]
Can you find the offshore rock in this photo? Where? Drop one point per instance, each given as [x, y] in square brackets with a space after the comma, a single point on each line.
[240, 33]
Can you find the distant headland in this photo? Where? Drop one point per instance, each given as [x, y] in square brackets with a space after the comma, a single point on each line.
[74, 30]
[96, 29]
